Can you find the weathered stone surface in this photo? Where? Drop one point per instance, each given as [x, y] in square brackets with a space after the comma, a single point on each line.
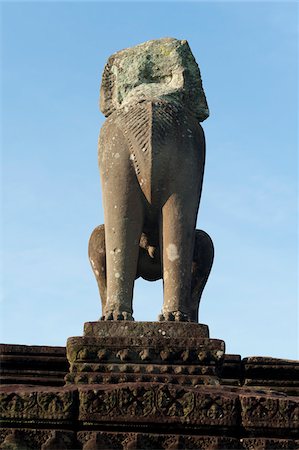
[36, 403]
[207, 379]
[265, 410]
[33, 364]
[231, 370]
[32, 439]
[153, 145]
[151, 403]
[148, 413]
[149, 265]
[127, 351]
[150, 330]
[277, 374]
[144, 350]
[49, 439]
[130, 440]
[162, 68]
[44, 365]
[269, 444]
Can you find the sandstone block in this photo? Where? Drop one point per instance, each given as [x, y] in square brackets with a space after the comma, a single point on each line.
[33, 439]
[153, 403]
[37, 403]
[163, 330]
[124, 351]
[158, 69]
[144, 440]
[267, 410]
[273, 373]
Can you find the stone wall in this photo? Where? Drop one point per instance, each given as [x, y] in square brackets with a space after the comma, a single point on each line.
[249, 403]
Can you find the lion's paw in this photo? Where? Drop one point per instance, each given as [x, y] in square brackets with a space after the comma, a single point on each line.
[117, 315]
[177, 316]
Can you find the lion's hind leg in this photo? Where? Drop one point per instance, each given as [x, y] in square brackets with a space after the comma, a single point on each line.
[203, 257]
[97, 258]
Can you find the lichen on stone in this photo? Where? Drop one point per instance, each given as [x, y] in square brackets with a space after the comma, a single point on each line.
[158, 69]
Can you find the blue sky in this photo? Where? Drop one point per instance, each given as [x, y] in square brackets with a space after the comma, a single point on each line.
[53, 55]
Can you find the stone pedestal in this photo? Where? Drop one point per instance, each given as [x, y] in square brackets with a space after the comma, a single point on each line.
[143, 385]
[144, 352]
[151, 385]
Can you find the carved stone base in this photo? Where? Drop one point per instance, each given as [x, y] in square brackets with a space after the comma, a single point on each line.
[31, 439]
[25, 404]
[124, 352]
[140, 385]
[162, 407]
[49, 439]
[91, 440]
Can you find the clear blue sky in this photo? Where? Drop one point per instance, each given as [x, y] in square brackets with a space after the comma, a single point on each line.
[53, 55]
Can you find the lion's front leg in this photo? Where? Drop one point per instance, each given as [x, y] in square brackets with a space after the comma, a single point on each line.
[178, 244]
[179, 212]
[123, 211]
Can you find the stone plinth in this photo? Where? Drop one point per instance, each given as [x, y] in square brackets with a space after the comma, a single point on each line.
[166, 330]
[237, 413]
[125, 352]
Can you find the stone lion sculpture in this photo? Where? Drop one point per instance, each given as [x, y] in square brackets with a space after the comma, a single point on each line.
[151, 158]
